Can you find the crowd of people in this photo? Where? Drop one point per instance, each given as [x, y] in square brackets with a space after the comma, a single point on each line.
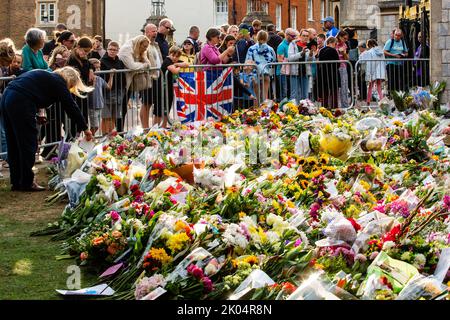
[269, 65]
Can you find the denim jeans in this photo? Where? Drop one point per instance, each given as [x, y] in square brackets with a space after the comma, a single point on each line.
[284, 88]
[303, 87]
[343, 91]
[295, 88]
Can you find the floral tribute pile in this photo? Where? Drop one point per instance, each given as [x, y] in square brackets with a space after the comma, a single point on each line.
[275, 202]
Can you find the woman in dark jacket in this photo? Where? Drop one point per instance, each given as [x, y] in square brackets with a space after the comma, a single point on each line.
[20, 102]
[79, 61]
[328, 79]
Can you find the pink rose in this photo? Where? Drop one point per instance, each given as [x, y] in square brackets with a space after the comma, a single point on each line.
[114, 215]
[207, 283]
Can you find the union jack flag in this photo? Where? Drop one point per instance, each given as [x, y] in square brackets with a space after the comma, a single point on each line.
[204, 94]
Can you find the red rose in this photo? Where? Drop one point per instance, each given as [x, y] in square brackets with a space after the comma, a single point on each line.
[355, 224]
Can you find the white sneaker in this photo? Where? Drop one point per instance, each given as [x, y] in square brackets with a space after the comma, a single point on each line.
[38, 159]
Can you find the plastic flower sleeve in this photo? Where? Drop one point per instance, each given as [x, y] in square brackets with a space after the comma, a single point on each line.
[379, 227]
[302, 147]
[199, 257]
[91, 156]
[422, 287]
[341, 229]
[148, 155]
[76, 185]
[361, 242]
[256, 279]
[395, 272]
[155, 294]
[313, 288]
[137, 169]
[368, 124]
[147, 184]
[156, 233]
[75, 160]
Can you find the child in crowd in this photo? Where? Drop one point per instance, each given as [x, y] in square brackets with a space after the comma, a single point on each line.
[248, 80]
[171, 63]
[97, 98]
[59, 58]
[243, 91]
[15, 68]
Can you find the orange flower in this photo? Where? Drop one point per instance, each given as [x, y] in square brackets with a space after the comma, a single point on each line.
[113, 248]
[97, 241]
[116, 234]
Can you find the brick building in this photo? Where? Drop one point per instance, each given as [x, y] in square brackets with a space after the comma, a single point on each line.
[284, 13]
[80, 16]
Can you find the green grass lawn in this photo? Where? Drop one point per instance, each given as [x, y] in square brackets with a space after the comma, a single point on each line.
[28, 268]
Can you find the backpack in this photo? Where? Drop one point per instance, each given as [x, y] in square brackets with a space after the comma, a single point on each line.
[403, 45]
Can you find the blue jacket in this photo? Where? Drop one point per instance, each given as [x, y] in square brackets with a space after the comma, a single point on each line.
[262, 54]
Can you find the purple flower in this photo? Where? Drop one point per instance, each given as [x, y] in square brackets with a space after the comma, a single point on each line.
[245, 230]
[348, 254]
[400, 207]
[298, 242]
[207, 283]
[447, 201]
[314, 210]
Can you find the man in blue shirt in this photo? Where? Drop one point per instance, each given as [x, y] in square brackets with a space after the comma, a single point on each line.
[282, 56]
[328, 25]
[395, 48]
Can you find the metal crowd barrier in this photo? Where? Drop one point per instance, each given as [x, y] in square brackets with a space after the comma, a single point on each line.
[125, 108]
[327, 82]
[377, 78]
[3, 83]
[205, 92]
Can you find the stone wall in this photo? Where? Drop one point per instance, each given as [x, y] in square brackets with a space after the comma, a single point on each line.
[388, 23]
[440, 44]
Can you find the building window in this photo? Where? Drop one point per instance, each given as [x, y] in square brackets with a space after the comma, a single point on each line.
[265, 7]
[322, 9]
[310, 10]
[47, 12]
[278, 16]
[249, 6]
[221, 12]
[294, 17]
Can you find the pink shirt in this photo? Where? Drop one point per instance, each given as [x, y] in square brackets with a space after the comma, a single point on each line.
[210, 55]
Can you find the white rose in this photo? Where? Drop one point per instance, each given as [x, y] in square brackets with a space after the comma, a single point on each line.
[388, 245]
